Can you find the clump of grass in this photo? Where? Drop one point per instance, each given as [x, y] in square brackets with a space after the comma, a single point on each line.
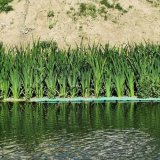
[4, 6]
[50, 14]
[52, 19]
[120, 8]
[87, 9]
[83, 10]
[51, 26]
[107, 3]
[113, 5]
[102, 10]
[45, 70]
[94, 10]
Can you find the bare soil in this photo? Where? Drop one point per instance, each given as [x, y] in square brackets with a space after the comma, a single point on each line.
[30, 21]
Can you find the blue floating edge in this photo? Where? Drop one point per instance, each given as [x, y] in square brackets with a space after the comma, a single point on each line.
[83, 99]
[96, 99]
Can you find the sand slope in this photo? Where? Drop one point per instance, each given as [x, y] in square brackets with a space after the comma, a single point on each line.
[29, 21]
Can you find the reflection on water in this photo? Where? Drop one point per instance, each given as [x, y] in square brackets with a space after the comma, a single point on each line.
[80, 131]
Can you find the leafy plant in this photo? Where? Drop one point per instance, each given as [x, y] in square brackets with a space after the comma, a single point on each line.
[97, 65]
[108, 86]
[15, 82]
[86, 83]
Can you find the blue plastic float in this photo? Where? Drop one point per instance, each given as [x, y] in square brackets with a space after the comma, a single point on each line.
[95, 99]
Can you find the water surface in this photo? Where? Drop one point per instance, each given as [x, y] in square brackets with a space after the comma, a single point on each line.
[80, 131]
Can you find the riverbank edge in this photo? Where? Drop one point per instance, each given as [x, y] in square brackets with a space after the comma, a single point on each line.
[83, 99]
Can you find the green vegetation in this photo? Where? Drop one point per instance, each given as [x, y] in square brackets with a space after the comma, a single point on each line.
[51, 26]
[113, 5]
[107, 4]
[45, 70]
[4, 6]
[93, 10]
[87, 9]
[84, 10]
[52, 18]
[155, 3]
[50, 13]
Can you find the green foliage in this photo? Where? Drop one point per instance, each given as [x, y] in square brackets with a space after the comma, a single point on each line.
[113, 5]
[107, 3]
[108, 86]
[87, 9]
[45, 70]
[52, 19]
[84, 10]
[120, 8]
[148, 86]
[95, 10]
[51, 78]
[50, 14]
[4, 6]
[120, 84]
[86, 83]
[102, 11]
[15, 75]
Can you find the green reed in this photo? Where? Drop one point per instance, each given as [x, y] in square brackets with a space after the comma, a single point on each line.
[44, 70]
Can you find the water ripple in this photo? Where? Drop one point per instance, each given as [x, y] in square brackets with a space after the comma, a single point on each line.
[115, 144]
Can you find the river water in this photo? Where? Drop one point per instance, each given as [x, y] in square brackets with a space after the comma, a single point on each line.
[106, 131]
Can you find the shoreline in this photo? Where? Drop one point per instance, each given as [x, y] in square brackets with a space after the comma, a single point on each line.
[83, 99]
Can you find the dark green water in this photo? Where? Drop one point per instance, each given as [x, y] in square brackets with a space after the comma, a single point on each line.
[80, 131]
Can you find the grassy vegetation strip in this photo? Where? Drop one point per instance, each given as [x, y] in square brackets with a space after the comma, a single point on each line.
[44, 70]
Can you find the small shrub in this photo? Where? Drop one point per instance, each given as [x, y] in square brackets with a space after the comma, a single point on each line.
[102, 11]
[113, 5]
[120, 8]
[83, 8]
[87, 10]
[107, 4]
[4, 6]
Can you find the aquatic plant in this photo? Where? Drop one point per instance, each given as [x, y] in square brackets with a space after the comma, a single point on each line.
[15, 74]
[86, 83]
[4, 76]
[43, 69]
